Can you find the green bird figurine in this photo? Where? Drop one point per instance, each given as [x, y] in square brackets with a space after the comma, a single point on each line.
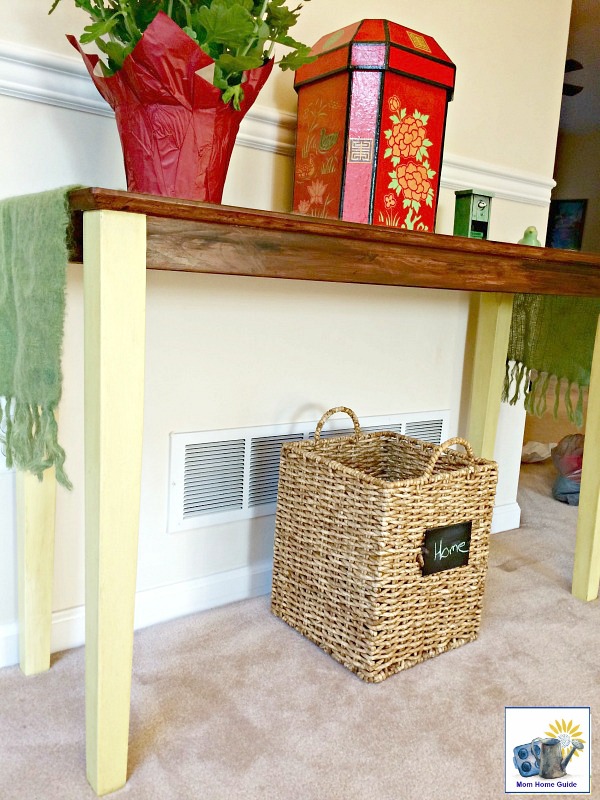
[530, 237]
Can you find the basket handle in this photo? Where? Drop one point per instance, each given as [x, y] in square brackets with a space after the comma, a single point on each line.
[442, 448]
[330, 413]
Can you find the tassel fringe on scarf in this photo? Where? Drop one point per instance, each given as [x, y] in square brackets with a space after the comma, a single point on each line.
[551, 347]
[519, 381]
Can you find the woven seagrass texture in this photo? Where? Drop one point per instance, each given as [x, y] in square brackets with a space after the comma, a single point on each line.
[352, 513]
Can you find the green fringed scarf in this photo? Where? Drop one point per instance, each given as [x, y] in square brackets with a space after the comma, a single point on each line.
[33, 257]
[550, 338]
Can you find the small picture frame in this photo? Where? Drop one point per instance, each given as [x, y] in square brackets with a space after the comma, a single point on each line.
[565, 224]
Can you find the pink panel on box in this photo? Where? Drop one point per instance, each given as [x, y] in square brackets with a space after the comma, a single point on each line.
[360, 151]
[368, 55]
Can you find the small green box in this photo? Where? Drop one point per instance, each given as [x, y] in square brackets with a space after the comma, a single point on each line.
[472, 214]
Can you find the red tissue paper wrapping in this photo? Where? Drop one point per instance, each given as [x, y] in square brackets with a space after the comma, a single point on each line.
[176, 133]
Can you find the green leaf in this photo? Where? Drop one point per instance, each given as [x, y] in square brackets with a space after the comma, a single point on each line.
[220, 78]
[117, 53]
[191, 33]
[230, 64]
[279, 16]
[296, 59]
[427, 143]
[424, 118]
[394, 119]
[395, 160]
[286, 41]
[98, 29]
[232, 26]
[247, 5]
[429, 201]
[263, 33]
[406, 202]
[145, 11]
[416, 205]
[388, 152]
[234, 95]
[430, 173]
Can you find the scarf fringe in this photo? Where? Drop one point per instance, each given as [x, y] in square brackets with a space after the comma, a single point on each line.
[30, 440]
[520, 381]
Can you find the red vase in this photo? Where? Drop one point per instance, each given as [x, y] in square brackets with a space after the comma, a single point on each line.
[176, 133]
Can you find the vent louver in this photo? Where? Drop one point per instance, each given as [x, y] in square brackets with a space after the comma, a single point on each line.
[364, 429]
[224, 476]
[264, 467]
[429, 430]
[213, 477]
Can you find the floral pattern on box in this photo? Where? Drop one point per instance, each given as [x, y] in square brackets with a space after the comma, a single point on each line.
[411, 181]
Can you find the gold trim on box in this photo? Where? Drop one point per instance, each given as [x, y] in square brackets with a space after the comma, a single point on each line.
[418, 41]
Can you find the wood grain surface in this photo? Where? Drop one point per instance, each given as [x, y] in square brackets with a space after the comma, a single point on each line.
[188, 236]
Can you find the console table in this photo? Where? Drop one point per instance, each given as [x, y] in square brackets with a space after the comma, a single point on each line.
[118, 236]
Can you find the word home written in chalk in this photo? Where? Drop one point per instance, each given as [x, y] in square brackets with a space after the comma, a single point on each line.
[446, 548]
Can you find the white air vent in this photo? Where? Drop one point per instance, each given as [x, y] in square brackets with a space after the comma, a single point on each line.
[264, 468]
[213, 477]
[227, 475]
[429, 430]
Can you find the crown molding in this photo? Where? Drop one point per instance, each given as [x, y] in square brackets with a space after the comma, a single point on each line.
[501, 182]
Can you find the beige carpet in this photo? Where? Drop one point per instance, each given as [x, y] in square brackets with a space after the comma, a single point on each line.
[233, 704]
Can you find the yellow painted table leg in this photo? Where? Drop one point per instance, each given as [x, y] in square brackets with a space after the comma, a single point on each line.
[489, 364]
[586, 571]
[36, 506]
[114, 304]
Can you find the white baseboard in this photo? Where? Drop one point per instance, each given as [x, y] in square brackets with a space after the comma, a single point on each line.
[9, 644]
[187, 597]
[152, 606]
[506, 517]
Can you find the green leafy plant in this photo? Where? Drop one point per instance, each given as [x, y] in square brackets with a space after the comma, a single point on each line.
[237, 34]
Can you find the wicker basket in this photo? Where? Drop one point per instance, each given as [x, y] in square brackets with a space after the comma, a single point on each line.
[352, 518]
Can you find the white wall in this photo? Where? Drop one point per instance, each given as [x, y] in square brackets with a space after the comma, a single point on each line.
[204, 332]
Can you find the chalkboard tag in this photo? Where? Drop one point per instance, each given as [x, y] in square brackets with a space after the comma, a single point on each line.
[446, 548]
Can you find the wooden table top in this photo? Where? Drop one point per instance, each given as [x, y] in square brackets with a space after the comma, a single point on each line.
[187, 236]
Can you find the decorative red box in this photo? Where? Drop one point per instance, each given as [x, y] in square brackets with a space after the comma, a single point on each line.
[371, 121]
